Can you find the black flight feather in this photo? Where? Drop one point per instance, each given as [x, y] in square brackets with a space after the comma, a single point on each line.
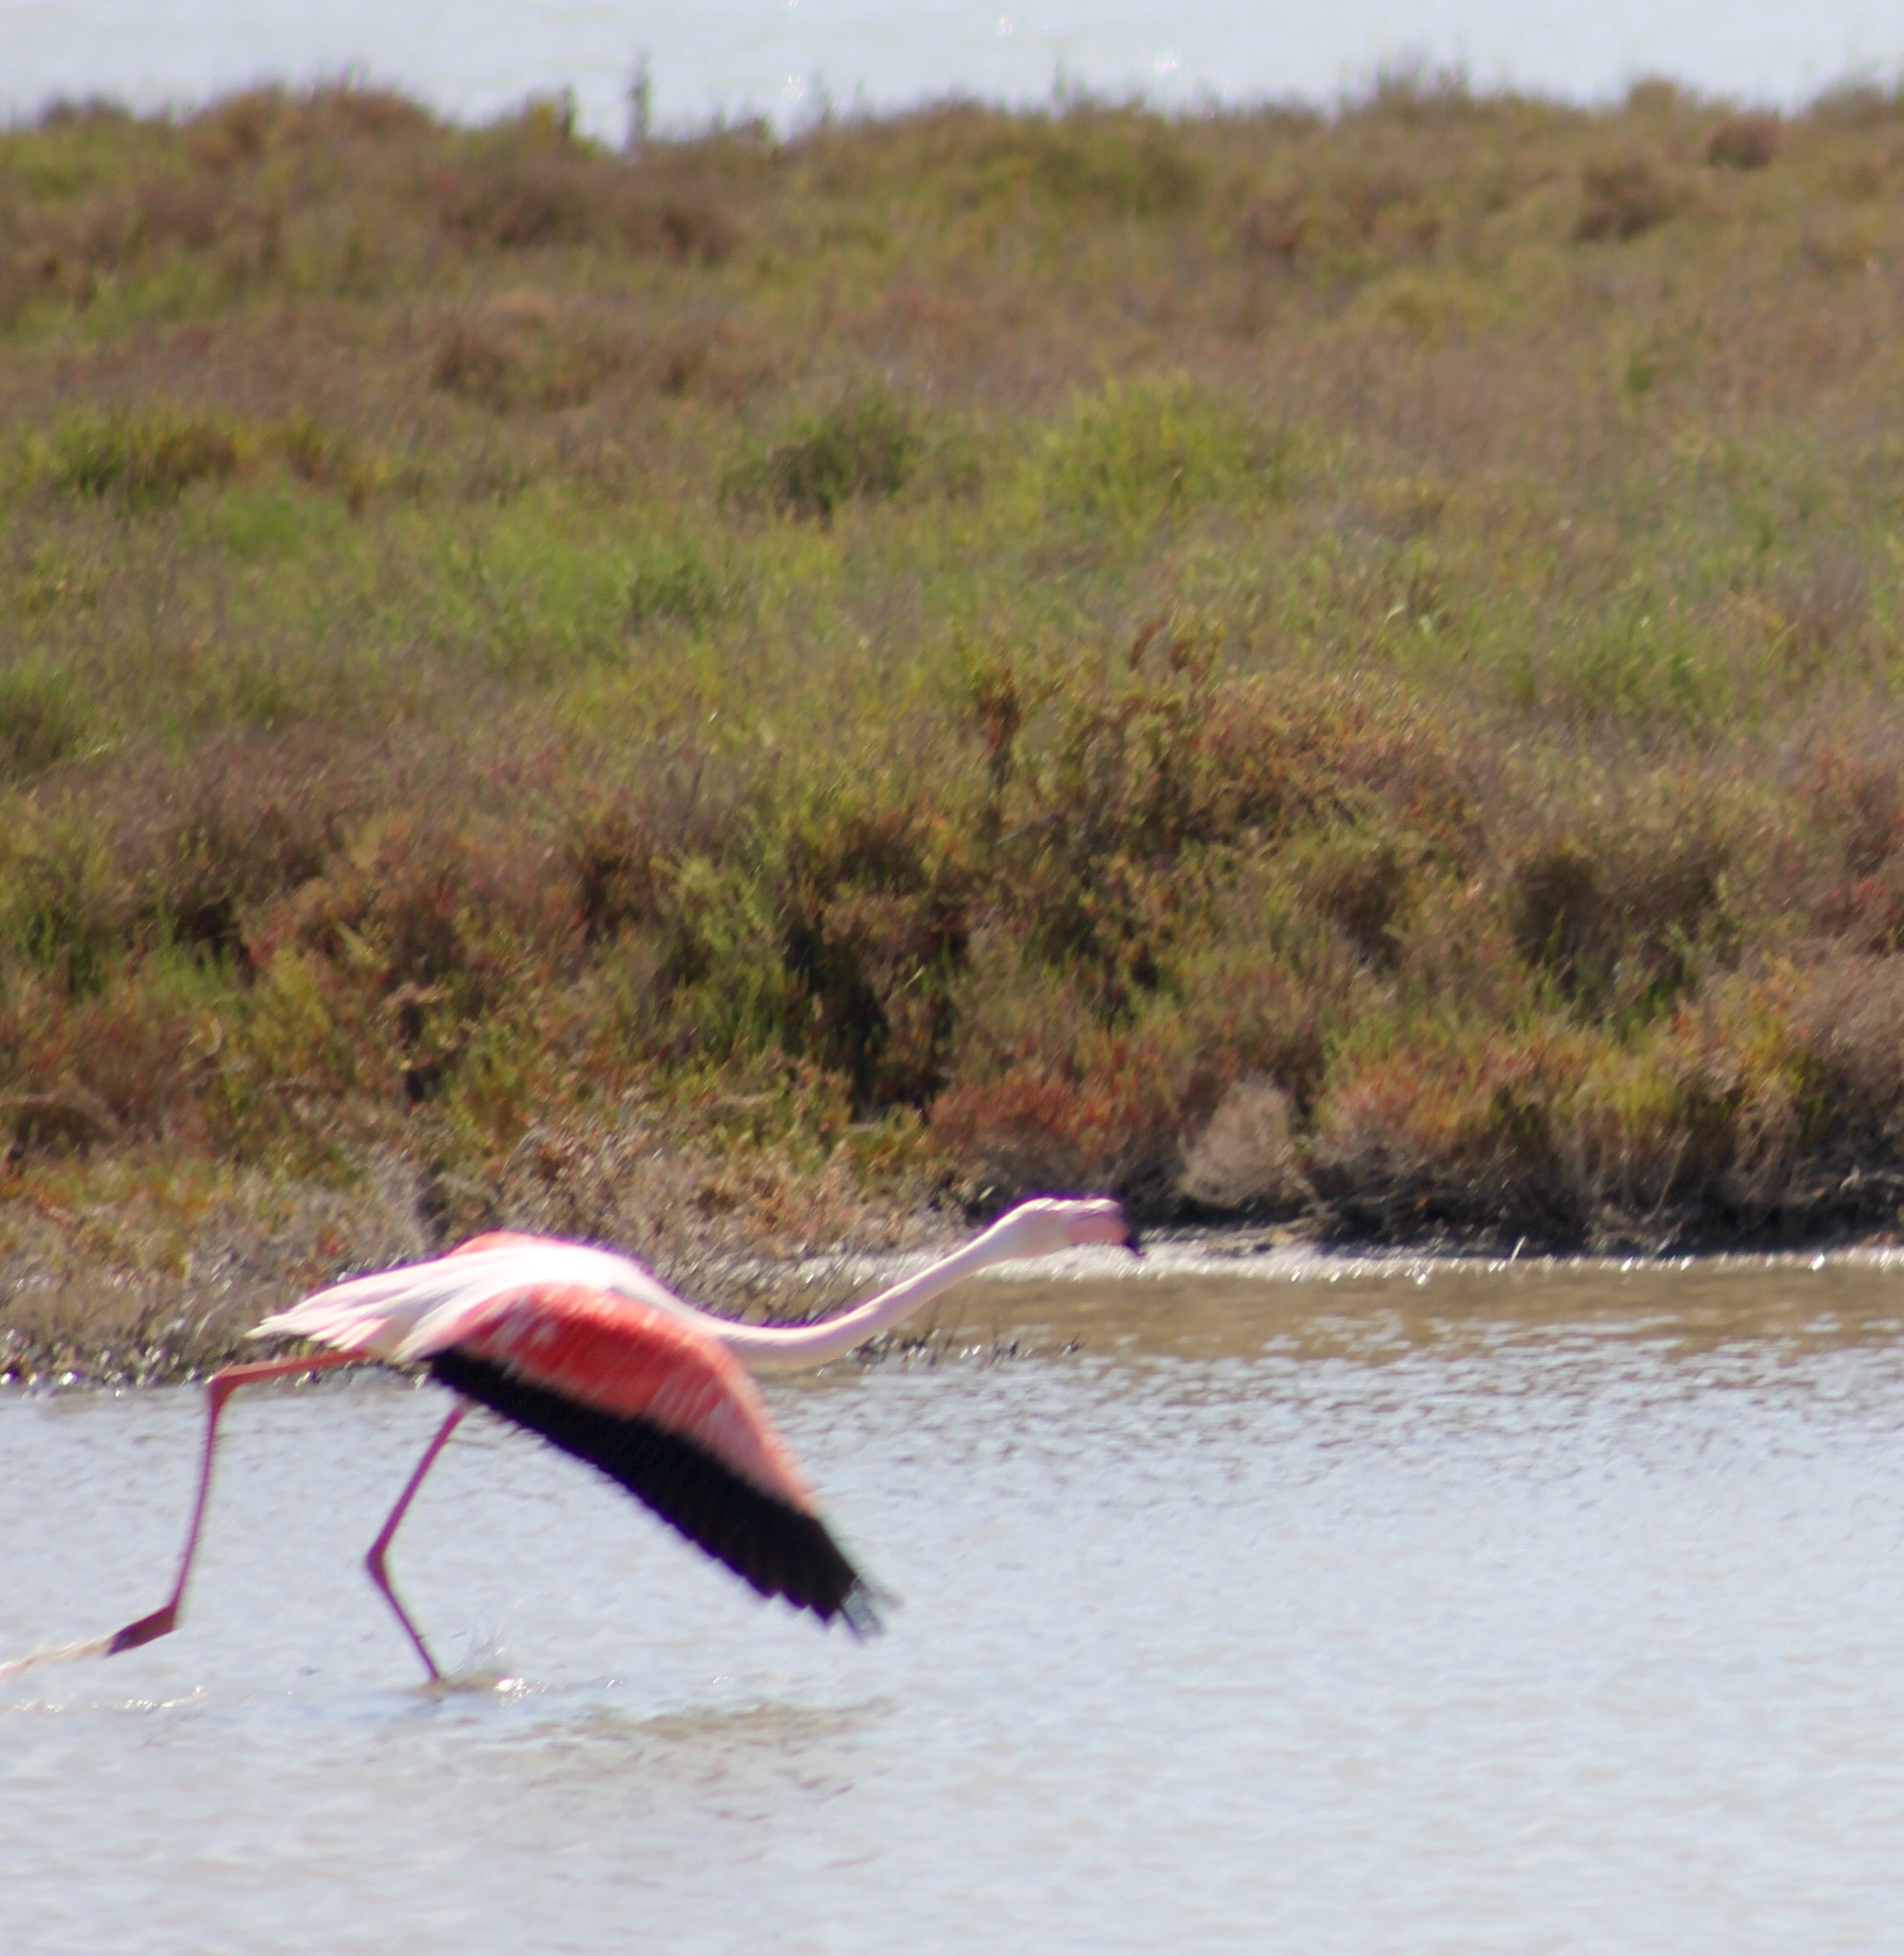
[774, 1547]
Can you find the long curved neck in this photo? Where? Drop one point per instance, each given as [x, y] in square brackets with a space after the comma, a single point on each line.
[785, 1348]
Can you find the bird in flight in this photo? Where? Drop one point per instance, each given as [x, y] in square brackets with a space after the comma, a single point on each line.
[595, 1353]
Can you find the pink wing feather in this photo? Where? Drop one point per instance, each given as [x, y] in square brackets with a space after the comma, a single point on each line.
[633, 1362]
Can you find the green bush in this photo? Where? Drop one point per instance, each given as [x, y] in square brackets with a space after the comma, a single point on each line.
[865, 445]
[1144, 450]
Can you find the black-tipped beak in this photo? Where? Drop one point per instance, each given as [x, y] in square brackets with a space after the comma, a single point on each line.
[1130, 1242]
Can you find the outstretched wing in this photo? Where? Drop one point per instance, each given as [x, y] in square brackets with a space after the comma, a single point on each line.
[661, 1407]
[408, 1313]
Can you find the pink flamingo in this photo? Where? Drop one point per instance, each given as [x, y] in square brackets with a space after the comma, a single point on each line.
[593, 1353]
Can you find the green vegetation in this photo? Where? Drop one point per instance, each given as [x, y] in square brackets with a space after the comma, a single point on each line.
[736, 697]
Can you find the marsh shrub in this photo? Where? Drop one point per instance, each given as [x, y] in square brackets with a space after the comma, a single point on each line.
[236, 131]
[1360, 877]
[865, 445]
[878, 908]
[129, 1051]
[63, 912]
[1274, 226]
[1847, 1015]
[690, 226]
[1619, 914]
[1114, 162]
[194, 216]
[1744, 142]
[1107, 1113]
[1431, 747]
[1120, 825]
[1451, 1127]
[209, 848]
[1623, 197]
[480, 363]
[243, 130]
[433, 906]
[517, 203]
[1855, 893]
[523, 200]
[619, 864]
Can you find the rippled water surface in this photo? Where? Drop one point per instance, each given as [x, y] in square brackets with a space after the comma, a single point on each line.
[1527, 1611]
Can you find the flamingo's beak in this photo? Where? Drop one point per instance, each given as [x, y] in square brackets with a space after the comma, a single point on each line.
[1130, 1242]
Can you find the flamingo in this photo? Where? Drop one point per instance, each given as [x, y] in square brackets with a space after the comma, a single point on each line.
[595, 1353]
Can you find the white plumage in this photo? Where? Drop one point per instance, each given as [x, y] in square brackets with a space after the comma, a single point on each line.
[405, 1314]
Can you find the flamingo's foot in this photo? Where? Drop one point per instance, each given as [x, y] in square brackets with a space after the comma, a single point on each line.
[161, 1623]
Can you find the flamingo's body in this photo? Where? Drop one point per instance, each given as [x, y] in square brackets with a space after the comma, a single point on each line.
[593, 1353]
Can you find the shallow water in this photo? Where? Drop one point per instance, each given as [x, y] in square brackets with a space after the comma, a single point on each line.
[1520, 1611]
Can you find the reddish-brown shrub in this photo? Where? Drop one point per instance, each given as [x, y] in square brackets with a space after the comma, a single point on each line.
[135, 1049]
[1857, 801]
[1623, 197]
[619, 864]
[1274, 226]
[878, 914]
[1115, 825]
[1744, 142]
[439, 924]
[516, 351]
[1846, 1017]
[1359, 879]
[1107, 1120]
[481, 364]
[1453, 1132]
[234, 130]
[519, 201]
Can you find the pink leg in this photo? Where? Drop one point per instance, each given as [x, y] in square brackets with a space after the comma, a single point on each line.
[219, 1388]
[380, 1547]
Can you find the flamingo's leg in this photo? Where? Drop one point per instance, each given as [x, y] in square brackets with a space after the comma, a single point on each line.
[219, 1388]
[380, 1547]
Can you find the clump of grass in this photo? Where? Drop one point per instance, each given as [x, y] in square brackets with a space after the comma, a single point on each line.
[325, 458]
[43, 720]
[1144, 450]
[143, 461]
[674, 582]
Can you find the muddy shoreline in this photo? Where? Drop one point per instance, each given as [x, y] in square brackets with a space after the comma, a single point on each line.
[76, 1326]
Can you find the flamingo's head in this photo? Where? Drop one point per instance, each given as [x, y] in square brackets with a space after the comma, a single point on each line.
[1048, 1224]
